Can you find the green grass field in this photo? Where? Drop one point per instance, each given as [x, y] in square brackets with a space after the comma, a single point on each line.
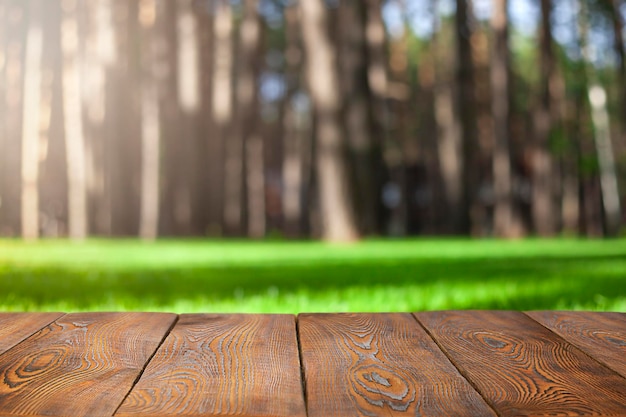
[286, 277]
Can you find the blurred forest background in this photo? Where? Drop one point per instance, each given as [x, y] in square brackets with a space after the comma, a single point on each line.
[330, 119]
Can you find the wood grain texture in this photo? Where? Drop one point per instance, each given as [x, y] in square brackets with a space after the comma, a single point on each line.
[522, 368]
[223, 365]
[379, 365]
[15, 327]
[81, 365]
[600, 335]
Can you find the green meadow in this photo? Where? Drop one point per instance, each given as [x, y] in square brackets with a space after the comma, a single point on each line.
[186, 276]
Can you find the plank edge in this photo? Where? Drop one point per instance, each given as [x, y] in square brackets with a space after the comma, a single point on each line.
[25, 338]
[305, 398]
[145, 365]
[443, 350]
[572, 343]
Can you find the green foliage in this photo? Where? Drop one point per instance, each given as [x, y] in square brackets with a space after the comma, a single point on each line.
[407, 275]
[559, 143]
[589, 165]
[524, 60]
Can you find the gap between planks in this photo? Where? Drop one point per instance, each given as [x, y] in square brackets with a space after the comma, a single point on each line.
[531, 314]
[301, 363]
[461, 371]
[143, 369]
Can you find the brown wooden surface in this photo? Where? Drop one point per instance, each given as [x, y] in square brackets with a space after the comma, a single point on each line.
[81, 365]
[223, 365]
[600, 335]
[15, 327]
[449, 363]
[379, 364]
[521, 368]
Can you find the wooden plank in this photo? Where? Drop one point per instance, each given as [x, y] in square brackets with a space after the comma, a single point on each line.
[379, 364]
[223, 365]
[522, 368]
[15, 327]
[600, 335]
[82, 364]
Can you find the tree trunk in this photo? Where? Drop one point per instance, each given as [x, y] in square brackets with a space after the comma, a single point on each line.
[337, 212]
[255, 180]
[189, 101]
[359, 124]
[597, 96]
[205, 124]
[32, 113]
[618, 30]
[543, 210]
[618, 34]
[188, 58]
[580, 174]
[245, 123]
[503, 210]
[363, 66]
[174, 186]
[376, 91]
[564, 122]
[3, 105]
[606, 158]
[99, 55]
[400, 147]
[124, 143]
[74, 138]
[53, 179]
[149, 12]
[11, 155]
[294, 139]
[222, 109]
[570, 199]
[449, 132]
[248, 125]
[467, 103]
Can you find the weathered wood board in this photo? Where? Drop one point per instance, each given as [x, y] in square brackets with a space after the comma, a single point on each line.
[379, 364]
[521, 368]
[452, 363]
[600, 335]
[83, 364]
[15, 327]
[223, 365]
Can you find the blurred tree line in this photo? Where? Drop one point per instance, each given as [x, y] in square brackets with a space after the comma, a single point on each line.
[331, 119]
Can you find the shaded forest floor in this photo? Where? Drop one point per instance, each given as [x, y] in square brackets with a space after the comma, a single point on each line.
[286, 277]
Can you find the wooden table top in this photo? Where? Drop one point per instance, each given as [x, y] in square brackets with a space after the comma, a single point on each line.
[448, 363]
